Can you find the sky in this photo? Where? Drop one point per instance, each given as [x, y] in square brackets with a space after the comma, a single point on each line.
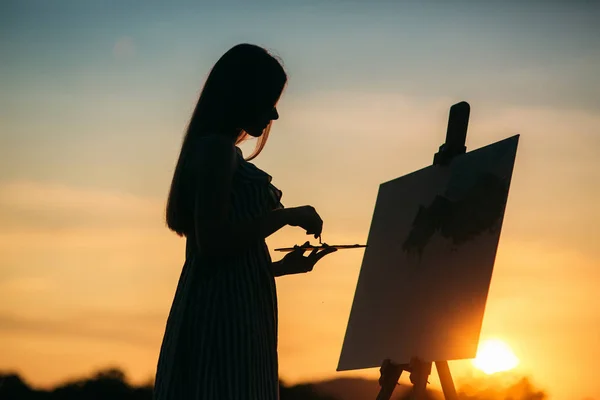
[95, 99]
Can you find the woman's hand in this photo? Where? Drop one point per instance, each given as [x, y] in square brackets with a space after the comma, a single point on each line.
[296, 263]
[307, 218]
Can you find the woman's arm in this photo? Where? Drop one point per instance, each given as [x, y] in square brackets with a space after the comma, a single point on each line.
[276, 268]
[215, 167]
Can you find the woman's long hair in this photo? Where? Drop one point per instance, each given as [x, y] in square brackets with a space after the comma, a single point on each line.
[245, 82]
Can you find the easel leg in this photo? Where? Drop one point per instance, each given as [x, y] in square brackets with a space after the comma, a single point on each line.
[446, 380]
[390, 374]
[420, 373]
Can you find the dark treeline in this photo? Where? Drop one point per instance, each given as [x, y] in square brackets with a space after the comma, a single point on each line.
[112, 384]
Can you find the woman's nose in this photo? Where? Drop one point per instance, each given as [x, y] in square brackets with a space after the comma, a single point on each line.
[274, 114]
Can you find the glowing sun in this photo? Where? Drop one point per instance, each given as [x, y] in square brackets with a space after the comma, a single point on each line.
[495, 356]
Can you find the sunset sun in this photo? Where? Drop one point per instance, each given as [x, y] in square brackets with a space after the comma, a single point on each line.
[495, 356]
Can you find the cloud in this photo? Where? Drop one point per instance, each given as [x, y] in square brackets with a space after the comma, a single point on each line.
[128, 328]
[363, 114]
[49, 231]
[124, 48]
[40, 206]
[59, 243]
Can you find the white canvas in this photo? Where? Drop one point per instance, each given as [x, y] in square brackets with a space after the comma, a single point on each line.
[426, 272]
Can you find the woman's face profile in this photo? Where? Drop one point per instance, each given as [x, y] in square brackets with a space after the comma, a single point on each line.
[256, 127]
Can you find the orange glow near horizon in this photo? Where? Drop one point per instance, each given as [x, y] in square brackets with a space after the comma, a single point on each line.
[89, 273]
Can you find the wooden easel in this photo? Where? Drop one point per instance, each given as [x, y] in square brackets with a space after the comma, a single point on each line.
[456, 136]
[419, 372]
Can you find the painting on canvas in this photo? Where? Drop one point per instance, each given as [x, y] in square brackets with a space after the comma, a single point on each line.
[426, 272]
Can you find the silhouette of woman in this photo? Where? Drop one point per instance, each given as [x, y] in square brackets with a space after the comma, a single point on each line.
[220, 339]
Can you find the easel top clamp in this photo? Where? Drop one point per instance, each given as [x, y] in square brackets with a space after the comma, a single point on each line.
[456, 136]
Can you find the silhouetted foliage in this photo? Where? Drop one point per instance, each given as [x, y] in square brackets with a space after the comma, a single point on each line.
[301, 392]
[112, 384]
[521, 390]
[13, 387]
[106, 384]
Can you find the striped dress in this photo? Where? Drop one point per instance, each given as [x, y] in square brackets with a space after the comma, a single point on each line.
[220, 341]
